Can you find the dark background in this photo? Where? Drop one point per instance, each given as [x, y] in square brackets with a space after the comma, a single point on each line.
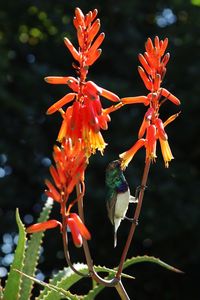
[31, 47]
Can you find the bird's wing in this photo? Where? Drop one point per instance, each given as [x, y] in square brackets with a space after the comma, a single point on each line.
[110, 205]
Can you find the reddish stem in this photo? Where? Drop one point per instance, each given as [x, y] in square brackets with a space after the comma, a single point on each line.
[135, 218]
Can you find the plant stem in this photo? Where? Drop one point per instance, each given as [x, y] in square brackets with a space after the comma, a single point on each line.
[109, 283]
[135, 218]
[65, 247]
[121, 291]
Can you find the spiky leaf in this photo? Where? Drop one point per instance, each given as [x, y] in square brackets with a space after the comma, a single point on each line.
[1, 291]
[151, 259]
[32, 253]
[134, 260]
[59, 291]
[66, 278]
[12, 288]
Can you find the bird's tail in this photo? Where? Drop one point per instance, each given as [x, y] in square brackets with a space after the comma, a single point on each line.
[116, 226]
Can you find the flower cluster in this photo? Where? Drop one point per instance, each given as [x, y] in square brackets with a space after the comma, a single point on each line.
[82, 122]
[85, 117]
[70, 165]
[152, 72]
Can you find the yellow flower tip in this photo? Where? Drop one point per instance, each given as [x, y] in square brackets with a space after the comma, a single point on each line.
[124, 162]
[166, 152]
[46, 79]
[127, 156]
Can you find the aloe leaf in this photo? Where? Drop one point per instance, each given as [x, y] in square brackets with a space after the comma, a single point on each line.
[56, 289]
[66, 278]
[1, 291]
[151, 259]
[134, 260]
[32, 253]
[63, 279]
[12, 288]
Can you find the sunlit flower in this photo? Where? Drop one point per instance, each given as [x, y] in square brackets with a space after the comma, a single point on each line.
[78, 229]
[70, 165]
[43, 226]
[152, 129]
[72, 220]
[85, 118]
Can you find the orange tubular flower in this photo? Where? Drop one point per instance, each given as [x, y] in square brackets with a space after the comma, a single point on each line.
[43, 226]
[85, 118]
[152, 72]
[71, 162]
[78, 229]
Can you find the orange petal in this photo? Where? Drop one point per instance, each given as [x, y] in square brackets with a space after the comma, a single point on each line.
[61, 173]
[164, 46]
[73, 83]
[92, 90]
[53, 190]
[157, 82]
[88, 18]
[103, 122]
[76, 235]
[96, 44]
[93, 31]
[55, 176]
[128, 155]
[97, 106]
[43, 226]
[94, 57]
[72, 49]
[160, 127]
[109, 95]
[80, 36]
[65, 124]
[94, 14]
[157, 43]
[143, 127]
[150, 113]
[57, 79]
[151, 142]
[145, 79]
[170, 96]
[80, 16]
[56, 106]
[134, 100]
[82, 228]
[165, 59]
[112, 108]
[145, 64]
[149, 45]
[171, 119]
[75, 115]
[62, 131]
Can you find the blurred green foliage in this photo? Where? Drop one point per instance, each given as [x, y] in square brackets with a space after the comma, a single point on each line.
[31, 47]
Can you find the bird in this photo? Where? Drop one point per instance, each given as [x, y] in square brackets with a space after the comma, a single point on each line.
[118, 195]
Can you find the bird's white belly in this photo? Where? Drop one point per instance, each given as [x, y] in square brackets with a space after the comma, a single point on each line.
[121, 205]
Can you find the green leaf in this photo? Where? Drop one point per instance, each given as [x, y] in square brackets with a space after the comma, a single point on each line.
[1, 290]
[12, 288]
[134, 260]
[66, 278]
[58, 291]
[195, 2]
[32, 253]
[151, 259]
[63, 279]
